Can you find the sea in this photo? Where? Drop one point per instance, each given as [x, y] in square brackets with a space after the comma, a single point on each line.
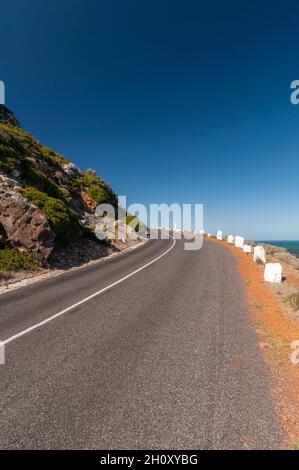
[291, 245]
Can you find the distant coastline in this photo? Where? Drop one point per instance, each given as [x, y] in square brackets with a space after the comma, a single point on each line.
[292, 246]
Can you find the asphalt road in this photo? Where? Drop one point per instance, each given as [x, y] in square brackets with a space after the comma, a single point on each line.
[165, 359]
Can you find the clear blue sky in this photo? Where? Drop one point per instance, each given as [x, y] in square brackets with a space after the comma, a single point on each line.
[170, 101]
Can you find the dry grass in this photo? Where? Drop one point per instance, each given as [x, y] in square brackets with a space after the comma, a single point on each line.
[293, 300]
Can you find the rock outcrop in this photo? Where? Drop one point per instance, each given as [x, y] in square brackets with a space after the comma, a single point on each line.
[22, 224]
[46, 201]
[71, 170]
[88, 202]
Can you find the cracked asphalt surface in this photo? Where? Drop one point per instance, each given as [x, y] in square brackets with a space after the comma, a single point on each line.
[168, 359]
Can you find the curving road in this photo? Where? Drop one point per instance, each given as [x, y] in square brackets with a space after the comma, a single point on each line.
[167, 358]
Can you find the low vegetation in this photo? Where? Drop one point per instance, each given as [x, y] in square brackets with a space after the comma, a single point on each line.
[135, 222]
[63, 220]
[44, 182]
[65, 195]
[12, 260]
[293, 300]
[95, 187]
[97, 193]
[37, 178]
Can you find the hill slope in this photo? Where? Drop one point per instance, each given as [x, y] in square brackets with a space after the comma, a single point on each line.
[46, 202]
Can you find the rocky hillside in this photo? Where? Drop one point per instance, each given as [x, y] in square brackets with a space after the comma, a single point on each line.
[46, 202]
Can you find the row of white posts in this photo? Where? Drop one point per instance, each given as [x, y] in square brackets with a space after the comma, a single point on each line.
[272, 271]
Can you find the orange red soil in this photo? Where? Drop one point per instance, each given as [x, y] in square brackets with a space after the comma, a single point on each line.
[276, 331]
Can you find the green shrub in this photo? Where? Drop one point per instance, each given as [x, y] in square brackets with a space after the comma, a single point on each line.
[130, 218]
[54, 159]
[97, 193]
[8, 159]
[7, 164]
[13, 260]
[87, 180]
[95, 187]
[259, 261]
[43, 183]
[7, 152]
[139, 226]
[19, 141]
[17, 145]
[63, 220]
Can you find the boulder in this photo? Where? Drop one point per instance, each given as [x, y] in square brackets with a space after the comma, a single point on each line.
[239, 241]
[23, 225]
[273, 272]
[16, 173]
[219, 235]
[6, 182]
[247, 248]
[71, 170]
[88, 202]
[259, 253]
[230, 239]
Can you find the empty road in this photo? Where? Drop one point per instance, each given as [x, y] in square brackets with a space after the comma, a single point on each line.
[167, 358]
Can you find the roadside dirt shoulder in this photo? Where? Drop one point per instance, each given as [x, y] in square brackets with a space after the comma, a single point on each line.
[67, 262]
[277, 328]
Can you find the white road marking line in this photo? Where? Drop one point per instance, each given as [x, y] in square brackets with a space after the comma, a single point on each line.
[53, 317]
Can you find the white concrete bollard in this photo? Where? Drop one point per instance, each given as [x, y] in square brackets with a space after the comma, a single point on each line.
[247, 248]
[239, 241]
[219, 235]
[230, 239]
[259, 253]
[273, 272]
